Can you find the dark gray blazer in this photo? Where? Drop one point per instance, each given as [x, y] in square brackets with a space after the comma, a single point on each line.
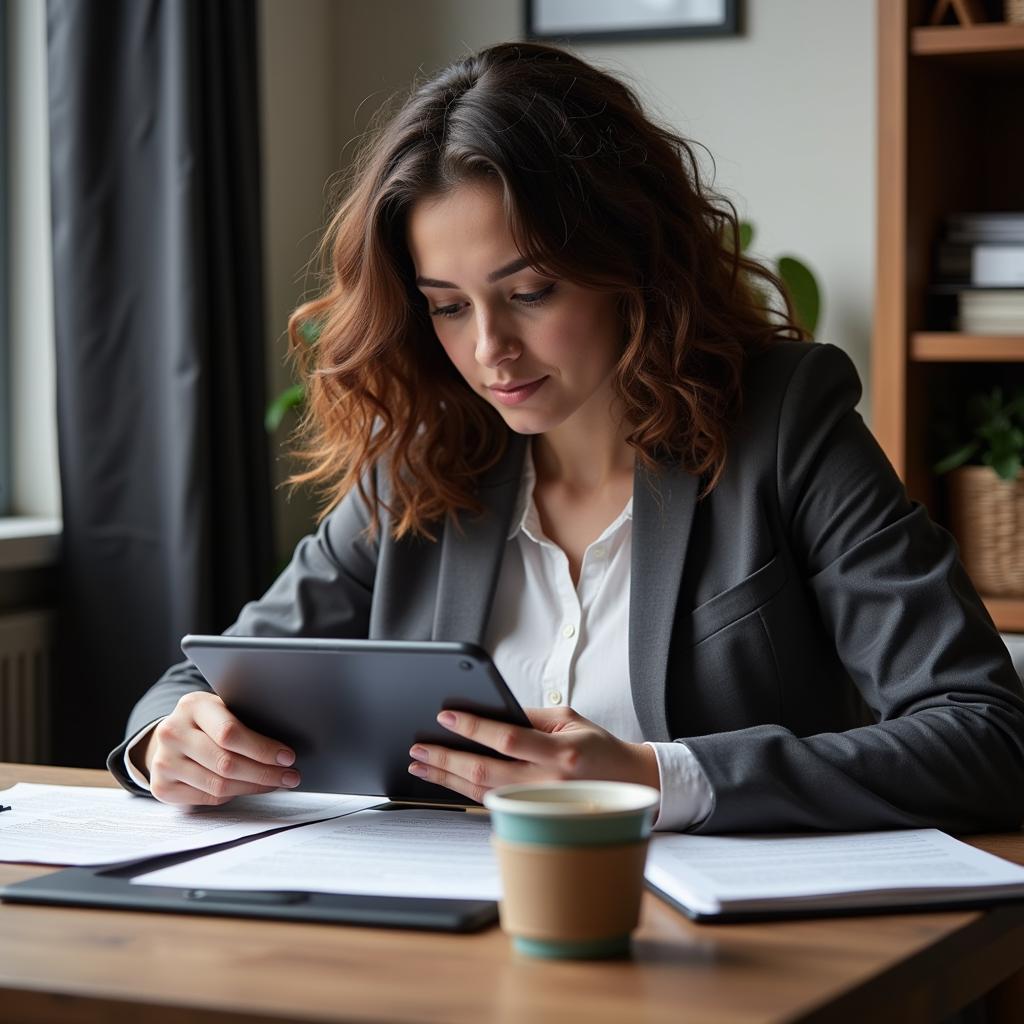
[804, 597]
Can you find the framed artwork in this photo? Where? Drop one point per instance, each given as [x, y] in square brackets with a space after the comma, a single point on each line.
[614, 20]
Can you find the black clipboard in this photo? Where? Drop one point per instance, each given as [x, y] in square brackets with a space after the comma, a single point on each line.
[109, 886]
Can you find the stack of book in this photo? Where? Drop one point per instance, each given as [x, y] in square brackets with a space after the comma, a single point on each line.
[981, 258]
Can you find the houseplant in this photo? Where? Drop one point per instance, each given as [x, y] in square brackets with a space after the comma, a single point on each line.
[295, 395]
[801, 284]
[984, 454]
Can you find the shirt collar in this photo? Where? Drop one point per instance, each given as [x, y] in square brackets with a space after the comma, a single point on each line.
[524, 499]
[526, 519]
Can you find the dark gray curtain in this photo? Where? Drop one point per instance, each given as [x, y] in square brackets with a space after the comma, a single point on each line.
[160, 368]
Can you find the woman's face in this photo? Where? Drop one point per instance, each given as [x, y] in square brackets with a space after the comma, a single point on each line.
[540, 350]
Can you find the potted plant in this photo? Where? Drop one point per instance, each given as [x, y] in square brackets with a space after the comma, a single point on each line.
[986, 488]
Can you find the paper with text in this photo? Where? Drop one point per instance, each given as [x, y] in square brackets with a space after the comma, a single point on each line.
[713, 873]
[91, 825]
[412, 853]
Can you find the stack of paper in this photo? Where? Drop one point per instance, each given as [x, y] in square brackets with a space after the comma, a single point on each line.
[87, 825]
[722, 875]
[992, 312]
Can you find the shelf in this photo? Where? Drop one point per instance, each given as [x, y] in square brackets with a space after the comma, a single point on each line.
[949, 100]
[951, 347]
[1006, 612]
[982, 46]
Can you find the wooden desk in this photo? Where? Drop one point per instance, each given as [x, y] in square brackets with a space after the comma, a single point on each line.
[88, 965]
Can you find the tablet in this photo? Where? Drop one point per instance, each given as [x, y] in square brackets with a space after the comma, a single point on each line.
[351, 709]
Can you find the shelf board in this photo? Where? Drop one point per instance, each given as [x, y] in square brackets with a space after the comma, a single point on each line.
[947, 40]
[952, 347]
[1006, 612]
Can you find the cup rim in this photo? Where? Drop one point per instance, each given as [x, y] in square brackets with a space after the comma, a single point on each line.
[504, 799]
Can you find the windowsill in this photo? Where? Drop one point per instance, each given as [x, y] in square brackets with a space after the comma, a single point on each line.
[29, 542]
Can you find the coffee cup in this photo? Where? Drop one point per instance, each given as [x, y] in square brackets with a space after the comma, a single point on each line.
[572, 860]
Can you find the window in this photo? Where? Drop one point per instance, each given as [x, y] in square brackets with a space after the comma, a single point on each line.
[5, 92]
[28, 418]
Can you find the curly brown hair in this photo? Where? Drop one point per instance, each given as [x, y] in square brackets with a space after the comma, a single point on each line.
[595, 193]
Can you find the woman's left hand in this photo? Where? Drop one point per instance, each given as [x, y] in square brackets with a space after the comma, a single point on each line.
[561, 745]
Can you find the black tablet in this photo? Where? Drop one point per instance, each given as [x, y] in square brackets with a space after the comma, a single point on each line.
[351, 709]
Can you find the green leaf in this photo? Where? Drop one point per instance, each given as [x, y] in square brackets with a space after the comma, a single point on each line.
[1007, 465]
[997, 427]
[309, 331]
[746, 234]
[803, 291]
[957, 458]
[288, 399]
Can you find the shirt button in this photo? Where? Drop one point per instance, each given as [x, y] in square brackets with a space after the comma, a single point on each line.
[554, 697]
[569, 631]
[598, 552]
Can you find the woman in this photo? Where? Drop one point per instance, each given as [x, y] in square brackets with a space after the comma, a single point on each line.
[553, 416]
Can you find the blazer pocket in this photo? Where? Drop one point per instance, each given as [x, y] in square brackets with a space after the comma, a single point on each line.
[736, 602]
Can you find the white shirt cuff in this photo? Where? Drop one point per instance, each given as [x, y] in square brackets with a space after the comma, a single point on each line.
[686, 794]
[134, 774]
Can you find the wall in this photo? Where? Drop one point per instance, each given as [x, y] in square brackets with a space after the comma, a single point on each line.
[788, 112]
[299, 113]
[787, 109]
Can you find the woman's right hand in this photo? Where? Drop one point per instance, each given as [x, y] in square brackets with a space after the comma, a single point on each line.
[201, 754]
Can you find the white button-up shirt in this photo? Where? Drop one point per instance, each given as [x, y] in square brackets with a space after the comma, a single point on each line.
[556, 643]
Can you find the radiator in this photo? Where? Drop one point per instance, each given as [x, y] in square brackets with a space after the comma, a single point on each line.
[26, 646]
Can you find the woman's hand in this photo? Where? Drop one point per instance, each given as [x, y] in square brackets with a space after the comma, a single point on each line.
[201, 754]
[561, 745]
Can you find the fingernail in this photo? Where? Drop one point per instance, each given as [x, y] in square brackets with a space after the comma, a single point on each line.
[446, 718]
[285, 757]
[420, 753]
[418, 769]
[290, 779]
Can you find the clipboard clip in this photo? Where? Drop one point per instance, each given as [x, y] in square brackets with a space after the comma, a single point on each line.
[249, 896]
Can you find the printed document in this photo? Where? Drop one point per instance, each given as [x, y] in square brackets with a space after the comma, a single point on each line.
[755, 874]
[446, 854]
[411, 852]
[92, 825]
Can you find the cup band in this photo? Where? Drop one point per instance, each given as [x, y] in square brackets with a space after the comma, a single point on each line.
[570, 893]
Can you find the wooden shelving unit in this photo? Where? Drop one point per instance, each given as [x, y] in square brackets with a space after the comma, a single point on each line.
[950, 139]
[950, 347]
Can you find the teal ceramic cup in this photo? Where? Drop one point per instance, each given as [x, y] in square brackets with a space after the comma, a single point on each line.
[572, 864]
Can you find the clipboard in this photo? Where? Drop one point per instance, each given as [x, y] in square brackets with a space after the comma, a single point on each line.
[109, 886]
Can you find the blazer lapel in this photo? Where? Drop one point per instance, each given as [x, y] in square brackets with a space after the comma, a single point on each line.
[663, 508]
[471, 554]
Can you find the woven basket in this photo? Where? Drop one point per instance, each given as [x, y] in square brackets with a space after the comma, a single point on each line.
[987, 515]
[1014, 10]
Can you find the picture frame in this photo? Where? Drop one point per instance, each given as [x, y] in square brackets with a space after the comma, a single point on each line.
[614, 21]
